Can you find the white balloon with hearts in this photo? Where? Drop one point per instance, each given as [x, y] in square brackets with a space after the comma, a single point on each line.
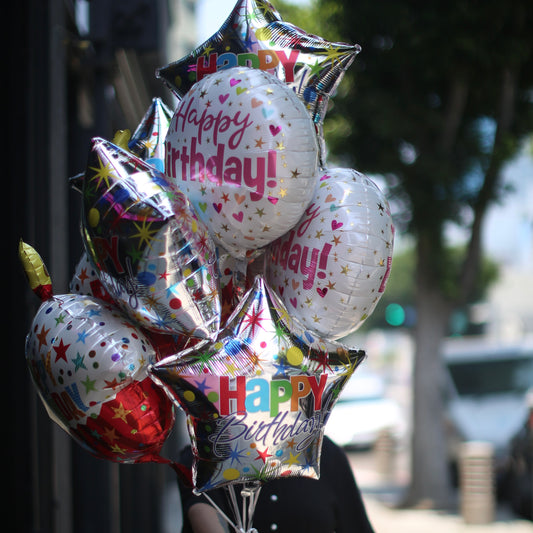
[242, 147]
[331, 269]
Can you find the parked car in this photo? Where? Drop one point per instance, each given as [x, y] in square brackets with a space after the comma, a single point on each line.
[363, 411]
[486, 398]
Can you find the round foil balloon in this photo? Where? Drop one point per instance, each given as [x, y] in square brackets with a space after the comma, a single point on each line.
[254, 35]
[332, 267]
[242, 148]
[258, 397]
[152, 253]
[89, 365]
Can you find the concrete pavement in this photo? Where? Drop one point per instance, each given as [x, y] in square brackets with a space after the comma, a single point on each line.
[381, 494]
[386, 519]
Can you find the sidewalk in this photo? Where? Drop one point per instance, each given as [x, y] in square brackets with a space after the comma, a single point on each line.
[379, 498]
[386, 519]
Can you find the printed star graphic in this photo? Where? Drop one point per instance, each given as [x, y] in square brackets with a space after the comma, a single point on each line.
[83, 275]
[145, 234]
[315, 68]
[293, 459]
[42, 336]
[110, 434]
[102, 173]
[61, 351]
[237, 455]
[253, 319]
[263, 455]
[78, 362]
[89, 384]
[117, 449]
[202, 386]
[121, 413]
[82, 335]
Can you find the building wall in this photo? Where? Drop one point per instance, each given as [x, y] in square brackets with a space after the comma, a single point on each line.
[61, 92]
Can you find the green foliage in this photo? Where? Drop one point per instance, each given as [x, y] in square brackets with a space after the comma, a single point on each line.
[421, 102]
[401, 284]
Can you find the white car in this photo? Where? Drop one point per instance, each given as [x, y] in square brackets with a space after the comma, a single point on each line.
[363, 411]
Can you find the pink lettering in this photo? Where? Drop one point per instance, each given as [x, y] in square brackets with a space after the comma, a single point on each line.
[297, 258]
[257, 181]
[309, 269]
[214, 124]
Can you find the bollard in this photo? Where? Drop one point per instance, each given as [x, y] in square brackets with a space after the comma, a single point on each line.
[476, 478]
[385, 452]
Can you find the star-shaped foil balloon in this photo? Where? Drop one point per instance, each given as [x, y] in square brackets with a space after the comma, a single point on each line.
[258, 397]
[254, 35]
[147, 143]
[152, 253]
[148, 140]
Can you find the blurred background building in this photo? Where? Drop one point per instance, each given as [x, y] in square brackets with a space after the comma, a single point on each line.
[74, 69]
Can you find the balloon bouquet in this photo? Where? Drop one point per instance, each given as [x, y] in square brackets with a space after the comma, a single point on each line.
[223, 261]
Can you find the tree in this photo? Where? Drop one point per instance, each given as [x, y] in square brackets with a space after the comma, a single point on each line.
[437, 102]
[400, 294]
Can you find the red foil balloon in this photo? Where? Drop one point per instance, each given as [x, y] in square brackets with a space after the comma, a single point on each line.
[89, 365]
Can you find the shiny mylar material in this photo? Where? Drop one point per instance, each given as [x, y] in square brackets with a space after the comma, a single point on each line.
[254, 35]
[85, 280]
[258, 397]
[331, 269]
[148, 140]
[151, 252]
[89, 365]
[242, 148]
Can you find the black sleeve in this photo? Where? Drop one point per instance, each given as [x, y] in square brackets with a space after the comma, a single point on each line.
[186, 495]
[349, 506]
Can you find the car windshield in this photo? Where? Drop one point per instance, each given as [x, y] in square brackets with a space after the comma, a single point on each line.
[478, 378]
[365, 386]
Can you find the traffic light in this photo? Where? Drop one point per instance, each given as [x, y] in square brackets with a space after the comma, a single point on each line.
[395, 314]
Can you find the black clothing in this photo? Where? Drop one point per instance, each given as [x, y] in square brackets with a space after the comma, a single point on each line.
[331, 504]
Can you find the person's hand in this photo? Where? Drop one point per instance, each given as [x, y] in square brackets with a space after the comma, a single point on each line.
[205, 519]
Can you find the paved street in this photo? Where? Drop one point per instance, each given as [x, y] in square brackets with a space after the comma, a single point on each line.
[380, 495]
[385, 520]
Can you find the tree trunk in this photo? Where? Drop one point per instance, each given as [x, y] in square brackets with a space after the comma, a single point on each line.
[430, 477]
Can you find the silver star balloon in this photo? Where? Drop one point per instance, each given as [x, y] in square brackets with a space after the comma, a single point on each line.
[152, 254]
[258, 396]
[254, 35]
